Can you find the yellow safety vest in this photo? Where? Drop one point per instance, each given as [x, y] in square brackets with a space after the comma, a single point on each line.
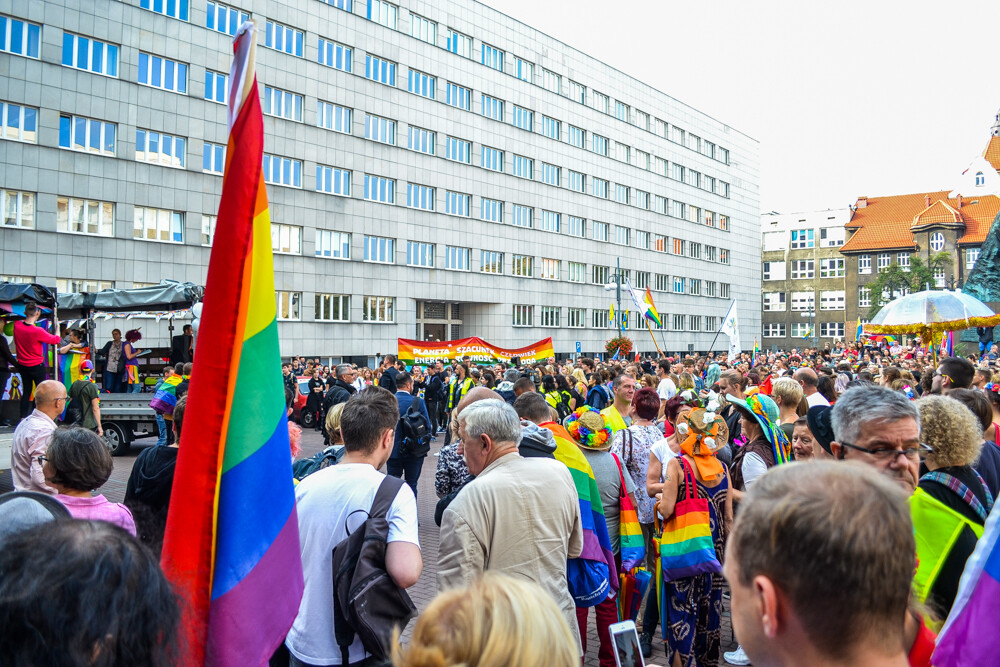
[614, 419]
[466, 386]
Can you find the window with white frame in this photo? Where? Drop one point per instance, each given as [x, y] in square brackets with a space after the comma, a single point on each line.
[677, 172]
[382, 130]
[286, 239]
[774, 241]
[84, 216]
[421, 84]
[216, 86]
[490, 261]
[623, 152]
[383, 13]
[601, 102]
[550, 316]
[458, 150]
[337, 56]
[693, 214]
[379, 188]
[419, 253]
[457, 259]
[937, 241]
[576, 226]
[680, 210]
[693, 178]
[523, 315]
[831, 329]
[283, 38]
[423, 29]
[724, 223]
[550, 222]
[22, 280]
[803, 301]
[774, 302]
[521, 215]
[18, 122]
[661, 205]
[381, 70]
[832, 300]
[641, 199]
[459, 43]
[679, 246]
[621, 111]
[457, 203]
[420, 196]
[694, 323]
[971, 257]
[207, 229]
[694, 286]
[599, 231]
[601, 319]
[939, 277]
[622, 193]
[87, 134]
[551, 128]
[420, 140]
[160, 148]
[711, 323]
[522, 265]
[884, 260]
[832, 237]
[69, 285]
[710, 288]
[903, 259]
[377, 309]
[641, 240]
[492, 158]
[164, 73]
[577, 92]
[80, 52]
[641, 279]
[774, 271]
[803, 269]
[333, 244]
[333, 180]
[282, 103]
[678, 323]
[551, 81]
[155, 224]
[599, 144]
[224, 19]
[550, 174]
[576, 317]
[380, 249]
[679, 285]
[600, 275]
[18, 208]
[710, 253]
[831, 268]
[333, 117]
[332, 307]
[600, 187]
[492, 57]
[523, 167]
[491, 210]
[694, 250]
[774, 330]
[577, 136]
[522, 118]
[803, 238]
[661, 282]
[864, 264]
[282, 171]
[620, 235]
[524, 70]
[864, 297]
[576, 272]
[801, 330]
[549, 269]
[492, 107]
[458, 96]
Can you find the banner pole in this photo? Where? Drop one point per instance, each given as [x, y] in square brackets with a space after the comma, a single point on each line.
[650, 329]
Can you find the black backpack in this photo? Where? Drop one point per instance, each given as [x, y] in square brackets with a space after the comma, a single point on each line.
[74, 409]
[415, 430]
[562, 404]
[324, 459]
[366, 601]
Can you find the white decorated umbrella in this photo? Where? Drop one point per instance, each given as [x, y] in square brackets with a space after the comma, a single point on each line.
[932, 312]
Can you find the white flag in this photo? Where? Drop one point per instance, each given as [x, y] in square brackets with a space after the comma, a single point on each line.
[731, 327]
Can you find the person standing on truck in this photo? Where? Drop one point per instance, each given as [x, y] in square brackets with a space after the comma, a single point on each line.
[28, 341]
[85, 391]
[131, 354]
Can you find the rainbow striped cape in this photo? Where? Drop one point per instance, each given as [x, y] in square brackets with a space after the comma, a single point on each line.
[165, 397]
[596, 542]
[231, 547]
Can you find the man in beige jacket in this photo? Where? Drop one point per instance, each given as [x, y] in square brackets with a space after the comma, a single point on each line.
[518, 516]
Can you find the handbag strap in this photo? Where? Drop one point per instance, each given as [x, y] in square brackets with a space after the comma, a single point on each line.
[621, 476]
[628, 435]
[689, 480]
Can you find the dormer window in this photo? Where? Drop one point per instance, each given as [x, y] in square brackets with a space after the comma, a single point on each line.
[937, 241]
[980, 179]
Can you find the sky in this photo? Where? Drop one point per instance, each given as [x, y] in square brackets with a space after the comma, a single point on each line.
[846, 98]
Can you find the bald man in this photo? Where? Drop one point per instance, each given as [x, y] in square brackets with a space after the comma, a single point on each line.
[32, 437]
[810, 387]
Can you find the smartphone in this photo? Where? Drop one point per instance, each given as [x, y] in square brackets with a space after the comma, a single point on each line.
[626, 642]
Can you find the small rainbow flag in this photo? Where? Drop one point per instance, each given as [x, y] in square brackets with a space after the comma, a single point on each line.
[231, 547]
[948, 343]
[756, 348]
[651, 312]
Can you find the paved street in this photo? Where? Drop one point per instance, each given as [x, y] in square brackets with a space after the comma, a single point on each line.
[426, 588]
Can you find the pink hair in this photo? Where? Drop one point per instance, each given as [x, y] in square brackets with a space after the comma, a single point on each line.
[295, 438]
[133, 336]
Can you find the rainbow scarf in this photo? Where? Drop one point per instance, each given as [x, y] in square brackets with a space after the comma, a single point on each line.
[778, 439]
[231, 549]
[165, 397]
[596, 541]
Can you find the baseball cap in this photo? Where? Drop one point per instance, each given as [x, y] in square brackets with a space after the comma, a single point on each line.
[87, 365]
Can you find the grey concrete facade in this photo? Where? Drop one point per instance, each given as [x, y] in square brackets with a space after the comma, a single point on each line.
[655, 136]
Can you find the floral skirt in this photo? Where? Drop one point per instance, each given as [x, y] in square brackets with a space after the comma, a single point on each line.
[691, 612]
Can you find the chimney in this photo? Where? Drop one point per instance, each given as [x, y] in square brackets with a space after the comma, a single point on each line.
[959, 201]
[862, 202]
[927, 201]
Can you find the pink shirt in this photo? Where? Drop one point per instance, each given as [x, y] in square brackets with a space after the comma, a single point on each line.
[31, 439]
[28, 341]
[98, 508]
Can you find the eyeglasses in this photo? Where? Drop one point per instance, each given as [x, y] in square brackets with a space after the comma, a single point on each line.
[61, 398]
[42, 458]
[887, 454]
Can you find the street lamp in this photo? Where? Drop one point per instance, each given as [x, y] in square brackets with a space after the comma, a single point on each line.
[616, 284]
[812, 322]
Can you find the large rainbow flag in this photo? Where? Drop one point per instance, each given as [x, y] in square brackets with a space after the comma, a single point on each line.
[231, 547]
[69, 365]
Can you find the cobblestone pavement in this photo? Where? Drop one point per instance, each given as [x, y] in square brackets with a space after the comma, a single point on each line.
[425, 589]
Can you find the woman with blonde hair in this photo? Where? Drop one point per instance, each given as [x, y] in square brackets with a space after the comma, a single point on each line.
[332, 424]
[686, 382]
[496, 620]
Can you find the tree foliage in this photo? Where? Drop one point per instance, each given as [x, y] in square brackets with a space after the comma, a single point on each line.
[895, 281]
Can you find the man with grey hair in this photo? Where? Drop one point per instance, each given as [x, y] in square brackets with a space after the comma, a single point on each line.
[881, 428]
[506, 388]
[810, 387]
[518, 516]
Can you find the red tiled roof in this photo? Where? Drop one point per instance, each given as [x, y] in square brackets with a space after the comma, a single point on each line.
[887, 223]
[992, 152]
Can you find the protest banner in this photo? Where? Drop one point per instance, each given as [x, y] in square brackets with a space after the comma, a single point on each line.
[423, 352]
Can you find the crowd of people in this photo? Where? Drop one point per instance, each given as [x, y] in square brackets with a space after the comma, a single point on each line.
[839, 494]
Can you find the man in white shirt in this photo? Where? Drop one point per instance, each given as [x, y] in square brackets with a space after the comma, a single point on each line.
[32, 437]
[326, 501]
[810, 387]
[666, 389]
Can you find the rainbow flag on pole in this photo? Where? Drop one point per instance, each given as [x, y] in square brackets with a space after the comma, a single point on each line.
[231, 547]
[651, 312]
[69, 366]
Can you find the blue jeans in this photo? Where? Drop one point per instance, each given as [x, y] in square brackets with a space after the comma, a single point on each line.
[134, 388]
[406, 468]
[113, 382]
[161, 423]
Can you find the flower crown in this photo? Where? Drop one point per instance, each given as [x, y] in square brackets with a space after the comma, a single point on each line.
[588, 436]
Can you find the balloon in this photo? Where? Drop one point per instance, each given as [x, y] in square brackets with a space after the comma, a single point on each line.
[196, 310]
[8, 329]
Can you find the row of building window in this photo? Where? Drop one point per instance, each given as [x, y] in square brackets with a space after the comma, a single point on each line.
[804, 269]
[802, 239]
[804, 301]
[804, 330]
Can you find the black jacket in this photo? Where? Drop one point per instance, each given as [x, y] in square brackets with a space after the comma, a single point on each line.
[339, 393]
[985, 334]
[388, 380]
[5, 356]
[435, 391]
[180, 349]
[147, 494]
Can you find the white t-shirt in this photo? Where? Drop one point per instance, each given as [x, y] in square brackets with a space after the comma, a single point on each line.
[661, 450]
[323, 502]
[666, 389]
[817, 399]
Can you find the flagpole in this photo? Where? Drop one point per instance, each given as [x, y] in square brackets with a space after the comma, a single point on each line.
[653, 337]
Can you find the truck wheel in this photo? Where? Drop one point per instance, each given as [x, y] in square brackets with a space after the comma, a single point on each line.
[117, 438]
[308, 419]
